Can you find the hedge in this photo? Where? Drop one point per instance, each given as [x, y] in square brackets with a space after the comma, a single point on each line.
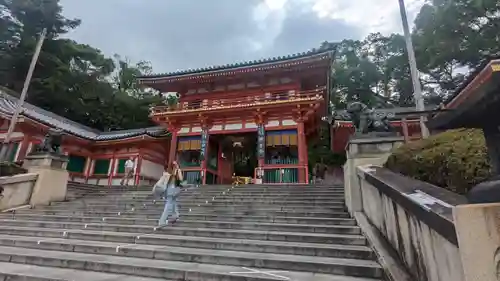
[456, 160]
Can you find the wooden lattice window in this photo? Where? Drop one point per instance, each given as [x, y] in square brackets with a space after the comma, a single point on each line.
[76, 164]
[121, 166]
[101, 166]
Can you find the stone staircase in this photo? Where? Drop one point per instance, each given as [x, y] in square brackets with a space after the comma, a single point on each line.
[243, 233]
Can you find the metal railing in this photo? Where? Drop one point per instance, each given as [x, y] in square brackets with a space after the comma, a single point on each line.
[241, 102]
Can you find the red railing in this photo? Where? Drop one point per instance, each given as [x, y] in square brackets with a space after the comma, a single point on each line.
[241, 102]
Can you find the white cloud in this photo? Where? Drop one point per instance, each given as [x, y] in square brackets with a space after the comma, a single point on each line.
[369, 15]
[269, 16]
[195, 33]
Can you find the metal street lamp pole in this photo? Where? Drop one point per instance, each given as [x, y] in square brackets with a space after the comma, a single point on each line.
[19, 106]
[417, 89]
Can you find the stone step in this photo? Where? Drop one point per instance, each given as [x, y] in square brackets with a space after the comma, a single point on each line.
[207, 205]
[200, 227]
[231, 189]
[351, 247]
[244, 197]
[262, 190]
[225, 193]
[177, 270]
[347, 239]
[155, 213]
[205, 256]
[141, 219]
[25, 272]
[215, 204]
[219, 186]
[219, 200]
[216, 200]
[311, 228]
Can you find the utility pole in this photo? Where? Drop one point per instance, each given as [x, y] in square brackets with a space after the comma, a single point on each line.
[415, 77]
[19, 106]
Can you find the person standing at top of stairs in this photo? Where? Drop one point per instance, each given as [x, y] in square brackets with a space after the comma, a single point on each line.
[129, 171]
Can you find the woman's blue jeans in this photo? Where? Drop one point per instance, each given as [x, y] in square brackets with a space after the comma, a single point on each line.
[171, 210]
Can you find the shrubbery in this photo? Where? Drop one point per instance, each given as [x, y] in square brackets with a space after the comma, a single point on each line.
[456, 160]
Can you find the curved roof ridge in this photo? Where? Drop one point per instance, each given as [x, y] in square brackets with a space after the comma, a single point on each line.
[275, 59]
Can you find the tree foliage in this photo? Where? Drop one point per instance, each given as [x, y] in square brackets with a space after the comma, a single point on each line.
[78, 81]
[451, 39]
[456, 160]
[71, 79]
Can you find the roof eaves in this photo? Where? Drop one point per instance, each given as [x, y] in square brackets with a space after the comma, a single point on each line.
[471, 77]
[41, 116]
[240, 65]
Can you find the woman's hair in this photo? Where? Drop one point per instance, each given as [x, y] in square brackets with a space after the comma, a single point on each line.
[170, 167]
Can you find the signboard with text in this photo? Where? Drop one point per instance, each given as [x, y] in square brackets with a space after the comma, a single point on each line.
[204, 143]
[261, 141]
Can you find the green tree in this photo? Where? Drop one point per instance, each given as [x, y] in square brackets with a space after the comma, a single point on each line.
[354, 74]
[454, 37]
[374, 71]
[71, 79]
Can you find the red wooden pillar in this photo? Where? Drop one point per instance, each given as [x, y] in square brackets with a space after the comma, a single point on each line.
[138, 168]
[112, 171]
[302, 150]
[173, 146]
[404, 126]
[219, 164]
[23, 148]
[204, 161]
[88, 168]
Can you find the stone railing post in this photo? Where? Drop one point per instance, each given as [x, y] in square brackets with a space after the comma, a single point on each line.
[478, 233]
[364, 151]
[52, 181]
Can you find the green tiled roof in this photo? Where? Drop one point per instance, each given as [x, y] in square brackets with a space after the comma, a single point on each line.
[237, 65]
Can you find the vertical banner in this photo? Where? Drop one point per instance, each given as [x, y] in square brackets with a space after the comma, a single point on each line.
[261, 141]
[204, 143]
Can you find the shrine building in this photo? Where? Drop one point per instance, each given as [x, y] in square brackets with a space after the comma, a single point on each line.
[251, 119]
[95, 157]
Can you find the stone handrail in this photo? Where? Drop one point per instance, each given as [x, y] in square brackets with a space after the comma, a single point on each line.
[17, 190]
[415, 219]
[420, 231]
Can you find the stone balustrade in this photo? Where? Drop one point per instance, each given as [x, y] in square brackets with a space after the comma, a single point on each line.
[419, 231]
[16, 190]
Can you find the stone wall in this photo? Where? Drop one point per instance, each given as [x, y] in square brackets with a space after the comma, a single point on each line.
[16, 191]
[415, 219]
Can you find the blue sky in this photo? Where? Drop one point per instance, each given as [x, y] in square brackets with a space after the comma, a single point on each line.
[180, 34]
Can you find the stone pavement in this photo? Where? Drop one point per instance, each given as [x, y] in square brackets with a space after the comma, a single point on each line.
[243, 233]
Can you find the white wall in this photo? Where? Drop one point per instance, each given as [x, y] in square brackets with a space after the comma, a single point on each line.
[151, 170]
[78, 179]
[98, 181]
